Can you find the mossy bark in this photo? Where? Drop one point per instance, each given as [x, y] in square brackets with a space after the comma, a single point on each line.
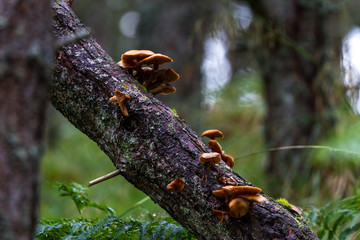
[152, 146]
[25, 56]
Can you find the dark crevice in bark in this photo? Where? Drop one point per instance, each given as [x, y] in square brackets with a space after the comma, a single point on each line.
[152, 146]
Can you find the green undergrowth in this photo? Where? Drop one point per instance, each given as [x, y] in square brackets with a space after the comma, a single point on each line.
[110, 227]
[337, 219]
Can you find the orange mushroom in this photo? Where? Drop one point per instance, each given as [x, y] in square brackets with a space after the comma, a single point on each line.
[176, 185]
[239, 198]
[212, 134]
[215, 146]
[155, 60]
[130, 58]
[121, 98]
[238, 207]
[164, 89]
[212, 158]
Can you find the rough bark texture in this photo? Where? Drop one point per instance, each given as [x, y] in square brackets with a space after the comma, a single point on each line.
[299, 58]
[152, 146]
[25, 54]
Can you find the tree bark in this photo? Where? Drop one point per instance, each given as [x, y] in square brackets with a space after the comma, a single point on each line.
[152, 146]
[25, 54]
[299, 51]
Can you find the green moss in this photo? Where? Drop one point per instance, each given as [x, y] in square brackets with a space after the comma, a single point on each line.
[174, 112]
[284, 202]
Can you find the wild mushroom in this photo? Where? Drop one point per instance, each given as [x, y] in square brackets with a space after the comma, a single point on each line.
[211, 158]
[215, 146]
[121, 98]
[130, 58]
[212, 134]
[164, 89]
[239, 198]
[238, 207]
[219, 215]
[155, 60]
[176, 185]
[229, 160]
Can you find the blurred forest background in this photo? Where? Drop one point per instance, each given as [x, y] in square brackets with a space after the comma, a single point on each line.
[267, 76]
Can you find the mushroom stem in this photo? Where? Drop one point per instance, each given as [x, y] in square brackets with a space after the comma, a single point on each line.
[104, 178]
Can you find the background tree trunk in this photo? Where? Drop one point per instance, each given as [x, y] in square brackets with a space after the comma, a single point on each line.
[152, 146]
[300, 65]
[25, 54]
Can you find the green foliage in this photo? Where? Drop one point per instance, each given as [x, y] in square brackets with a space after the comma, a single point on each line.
[79, 194]
[337, 219]
[110, 228]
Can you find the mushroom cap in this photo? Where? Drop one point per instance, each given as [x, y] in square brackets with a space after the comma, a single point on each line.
[163, 88]
[157, 59]
[171, 75]
[229, 160]
[212, 158]
[231, 192]
[130, 58]
[120, 64]
[238, 207]
[212, 134]
[235, 191]
[215, 146]
[219, 215]
[168, 89]
[254, 198]
[219, 193]
[176, 185]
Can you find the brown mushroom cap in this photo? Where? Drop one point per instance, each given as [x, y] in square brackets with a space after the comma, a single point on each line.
[212, 158]
[212, 134]
[254, 198]
[229, 160]
[163, 88]
[176, 185]
[156, 59]
[235, 191]
[219, 215]
[230, 192]
[238, 207]
[171, 75]
[215, 146]
[132, 57]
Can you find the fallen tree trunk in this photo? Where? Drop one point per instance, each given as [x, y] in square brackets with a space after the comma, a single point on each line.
[152, 146]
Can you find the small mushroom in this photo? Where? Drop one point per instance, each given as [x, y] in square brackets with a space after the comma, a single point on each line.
[229, 160]
[212, 134]
[219, 215]
[215, 146]
[238, 207]
[212, 158]
[239, 198]
[164, 89]
[168, 75]
[121, 98]
[176, 185]
[155, 59]
[130, 58]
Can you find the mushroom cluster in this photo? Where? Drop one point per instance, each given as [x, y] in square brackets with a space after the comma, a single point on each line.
[215, 145]
[144, 66]
[240, 199]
